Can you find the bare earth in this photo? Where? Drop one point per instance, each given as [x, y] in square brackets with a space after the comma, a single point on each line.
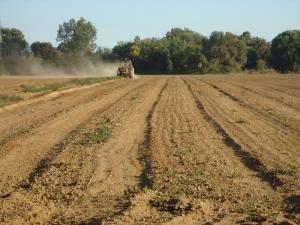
[180, 150]
[10, 84]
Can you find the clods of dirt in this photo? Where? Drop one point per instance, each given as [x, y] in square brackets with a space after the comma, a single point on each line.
[173, 205]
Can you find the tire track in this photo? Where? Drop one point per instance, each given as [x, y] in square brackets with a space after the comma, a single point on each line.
[25, 130]
[42, 97]
[38, 152]
[55, 166]
[124, 201]
[265, 95]
[247, 158]
[269, 141]
[106, 166]
[197, 178]
[44, 164]
[146, 178]
[172, 159]
[253, 110]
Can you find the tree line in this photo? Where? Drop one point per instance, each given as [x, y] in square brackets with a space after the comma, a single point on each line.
[180, 51]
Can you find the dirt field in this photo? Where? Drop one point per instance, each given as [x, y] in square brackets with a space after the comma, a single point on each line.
[154, 150]
[9, 84]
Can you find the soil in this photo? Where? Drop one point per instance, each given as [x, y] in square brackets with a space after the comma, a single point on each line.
[154, 150]
[10, 84]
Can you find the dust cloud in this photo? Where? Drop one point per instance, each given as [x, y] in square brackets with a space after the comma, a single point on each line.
[88, 68]
[37, 67]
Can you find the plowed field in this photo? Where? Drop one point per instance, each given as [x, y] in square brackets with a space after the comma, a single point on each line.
[154, 150]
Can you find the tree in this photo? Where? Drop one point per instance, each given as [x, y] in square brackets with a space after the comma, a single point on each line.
[13, 42]
[104, 54]
[246, 36]
[226, 53]
[77, 37]
[150, 56]
[178, 53]
[130, 50]
[45, 51]
[258, 52]
[122, 50]
[202, 64]
[285, 51]
[187, 50]
[187, 35]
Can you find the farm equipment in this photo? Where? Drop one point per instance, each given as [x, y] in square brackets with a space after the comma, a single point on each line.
[126, 69]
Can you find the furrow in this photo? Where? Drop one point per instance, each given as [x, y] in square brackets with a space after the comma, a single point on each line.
[247, 158]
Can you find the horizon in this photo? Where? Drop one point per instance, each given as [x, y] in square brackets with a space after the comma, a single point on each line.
[148, 20]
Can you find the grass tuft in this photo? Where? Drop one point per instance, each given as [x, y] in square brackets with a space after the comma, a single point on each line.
[7, 99]
[89, 80]
[58, 85]
[102, 133]
[28, 88]
[47, 87]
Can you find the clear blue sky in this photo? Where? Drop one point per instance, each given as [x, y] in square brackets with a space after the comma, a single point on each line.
[118, 20]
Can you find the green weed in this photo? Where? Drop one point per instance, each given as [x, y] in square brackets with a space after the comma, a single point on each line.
[58, 85]
[7, 99]
[89, 80]
[47, 87]
[101, 133]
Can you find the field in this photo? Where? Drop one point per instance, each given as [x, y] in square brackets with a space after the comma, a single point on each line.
[154, 150]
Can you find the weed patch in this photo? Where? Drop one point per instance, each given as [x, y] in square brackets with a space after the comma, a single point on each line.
[58, 85]
[101, 133]
[7, 99]
[46, 87]
[89, 80]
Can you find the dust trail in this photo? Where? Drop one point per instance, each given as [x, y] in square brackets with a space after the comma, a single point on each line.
[36, 66]
[88, 68]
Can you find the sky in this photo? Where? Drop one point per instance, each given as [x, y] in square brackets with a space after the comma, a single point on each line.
[122, 20]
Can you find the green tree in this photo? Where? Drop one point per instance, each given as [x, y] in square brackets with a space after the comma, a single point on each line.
[258, 52]
[104, 54]
[13, 42]
[77, 37]
[226, 53]
[202, 64]
[187, 35]
[285, 51]
[45, 51]
[122, 50]
[187, 50]
[154, 57]
[246, 36]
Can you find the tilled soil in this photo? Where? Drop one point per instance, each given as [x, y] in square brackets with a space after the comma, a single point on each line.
[155, 150]
[8, 84]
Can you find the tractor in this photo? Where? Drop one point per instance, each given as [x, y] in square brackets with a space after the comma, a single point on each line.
[126, 69]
